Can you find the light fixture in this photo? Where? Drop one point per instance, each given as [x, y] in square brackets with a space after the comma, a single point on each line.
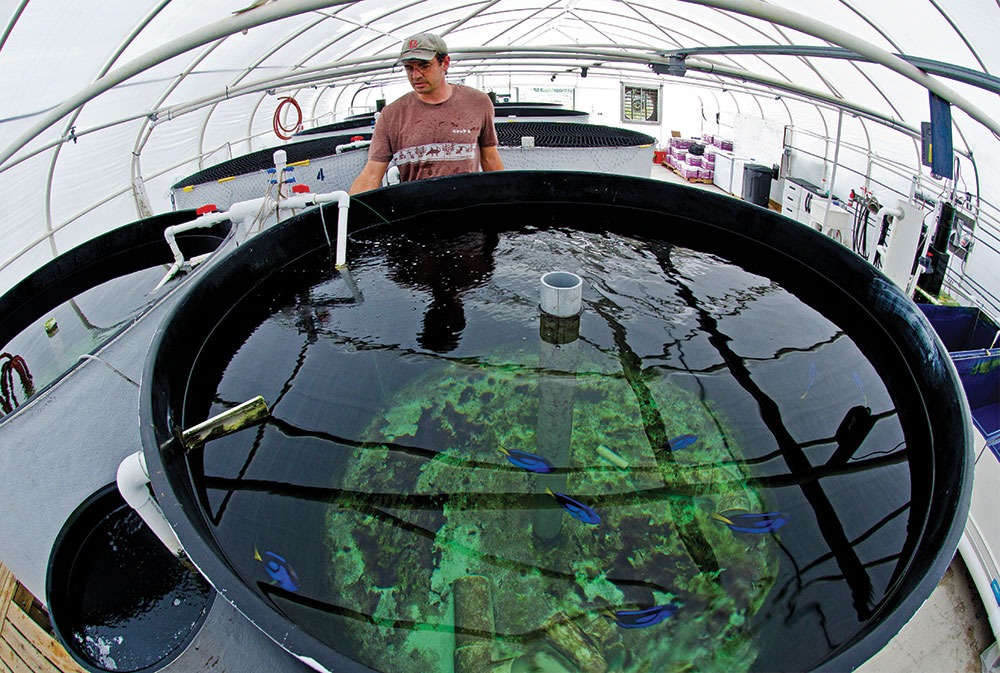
[583, 71]
[553, 78]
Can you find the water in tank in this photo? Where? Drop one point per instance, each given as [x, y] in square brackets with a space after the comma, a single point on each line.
[729, 460]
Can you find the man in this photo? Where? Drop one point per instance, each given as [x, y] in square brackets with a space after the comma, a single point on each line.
[437, 129]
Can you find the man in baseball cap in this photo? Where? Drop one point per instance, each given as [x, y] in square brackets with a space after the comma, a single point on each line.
[437, 129]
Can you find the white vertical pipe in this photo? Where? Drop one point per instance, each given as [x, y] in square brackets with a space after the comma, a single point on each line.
[833, 175]
[343, 203]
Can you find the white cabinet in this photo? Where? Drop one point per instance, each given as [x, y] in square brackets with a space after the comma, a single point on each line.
[791, 199]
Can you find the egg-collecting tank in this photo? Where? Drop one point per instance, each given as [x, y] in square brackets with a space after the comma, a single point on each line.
[747, 450]
[549, 145]
[85, 297]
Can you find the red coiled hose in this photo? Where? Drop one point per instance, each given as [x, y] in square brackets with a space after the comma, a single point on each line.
[280, 130]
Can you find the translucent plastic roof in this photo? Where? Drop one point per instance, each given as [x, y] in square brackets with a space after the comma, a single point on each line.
[107, 104]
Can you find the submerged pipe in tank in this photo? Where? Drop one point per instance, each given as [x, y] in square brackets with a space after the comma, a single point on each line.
[560, 306]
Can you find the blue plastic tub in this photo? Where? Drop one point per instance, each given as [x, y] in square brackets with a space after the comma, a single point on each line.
[971, 338]
[980, 375]
[962, 328]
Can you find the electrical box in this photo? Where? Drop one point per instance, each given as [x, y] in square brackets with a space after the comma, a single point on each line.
[839, 223]
[900, 247]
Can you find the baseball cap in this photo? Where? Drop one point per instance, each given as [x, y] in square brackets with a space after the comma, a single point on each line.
[422, 47]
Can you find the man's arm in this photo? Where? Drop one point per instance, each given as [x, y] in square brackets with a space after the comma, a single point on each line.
[370, 177]
[490, 159]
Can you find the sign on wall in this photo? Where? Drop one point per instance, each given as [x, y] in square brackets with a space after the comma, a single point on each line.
[562, 95]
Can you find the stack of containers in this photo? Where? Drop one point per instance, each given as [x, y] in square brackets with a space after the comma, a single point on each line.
[695, 166]
[682, 160]
[708, 163]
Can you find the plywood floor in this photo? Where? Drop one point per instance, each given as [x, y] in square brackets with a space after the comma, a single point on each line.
[26, 643]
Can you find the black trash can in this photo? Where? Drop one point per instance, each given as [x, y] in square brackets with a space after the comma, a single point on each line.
[757, 184]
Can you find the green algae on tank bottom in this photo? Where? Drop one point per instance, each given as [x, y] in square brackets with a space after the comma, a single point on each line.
[469, 512]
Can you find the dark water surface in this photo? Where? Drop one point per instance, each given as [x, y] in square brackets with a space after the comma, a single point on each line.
[761, 517]
[53, 343]
[129, 603]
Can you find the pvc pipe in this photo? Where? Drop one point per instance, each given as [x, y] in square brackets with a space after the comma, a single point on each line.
[133, 484]
[343, 204]
[200, 222]
[343, 200]
[280, 161]
[170, 234]
[561, 294]
[612, 457]
[226, 423]
[896, 213]
[240, 210]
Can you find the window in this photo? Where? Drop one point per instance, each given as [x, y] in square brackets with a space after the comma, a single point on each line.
[640, 105]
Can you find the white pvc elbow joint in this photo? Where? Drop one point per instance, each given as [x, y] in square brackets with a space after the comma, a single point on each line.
[133, 484]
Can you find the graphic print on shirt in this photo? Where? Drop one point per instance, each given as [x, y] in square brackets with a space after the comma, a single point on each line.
[436, 152]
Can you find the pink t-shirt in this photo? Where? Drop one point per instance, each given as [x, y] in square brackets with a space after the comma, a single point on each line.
[427, 140]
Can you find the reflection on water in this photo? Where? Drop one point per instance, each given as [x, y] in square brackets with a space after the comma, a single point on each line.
[53, 343]
[705, 474]
[121, 615]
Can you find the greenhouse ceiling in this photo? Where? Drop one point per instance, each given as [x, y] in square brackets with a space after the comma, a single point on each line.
[106, 102]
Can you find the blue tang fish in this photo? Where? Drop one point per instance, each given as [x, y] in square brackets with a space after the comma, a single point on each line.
[576, 508]
[680, 442]
[640, 619]
[861, 387]
[527, 461]
[279, 570]
[812, 379]
[742, 521]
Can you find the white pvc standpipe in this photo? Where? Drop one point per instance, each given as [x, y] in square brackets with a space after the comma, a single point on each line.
[833, 175]
[562, 294]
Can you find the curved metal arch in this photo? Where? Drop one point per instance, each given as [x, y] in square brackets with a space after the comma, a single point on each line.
[319, 50]
[613, 44]
[885, 36]
[670, 35]
[812, 66]
[840, 37]
[13, 21]
[246, 73]
[528, 18]
[753, 28]
[896, 47]
[746, 24]
[129, 39]
[204, 35]
[468, 18]
[960, 34]
[454, 25]
[146, 129]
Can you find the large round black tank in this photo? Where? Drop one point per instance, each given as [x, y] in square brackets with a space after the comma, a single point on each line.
[749, 451]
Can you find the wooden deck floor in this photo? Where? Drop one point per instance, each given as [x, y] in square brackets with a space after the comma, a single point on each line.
[26, 641]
